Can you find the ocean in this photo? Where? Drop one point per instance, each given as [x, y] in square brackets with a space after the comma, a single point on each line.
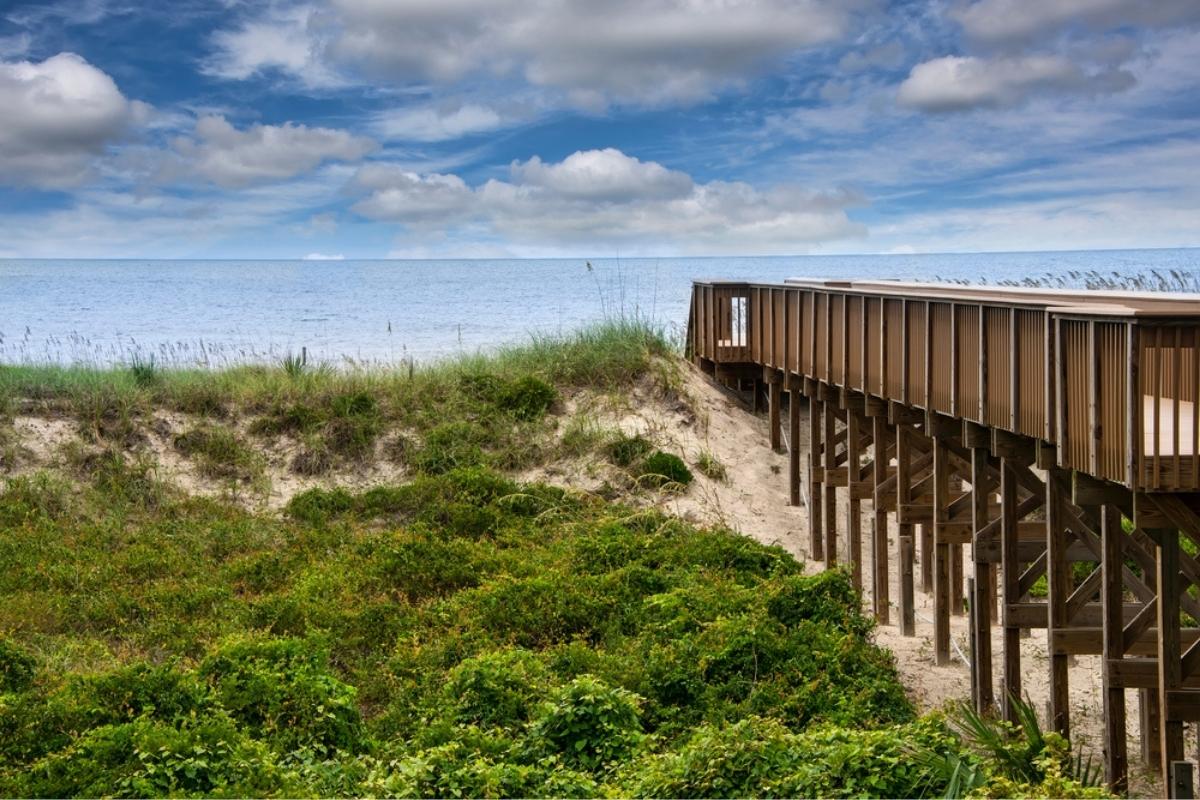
[219, 313]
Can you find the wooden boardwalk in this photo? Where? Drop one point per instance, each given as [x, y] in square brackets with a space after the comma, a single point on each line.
[1053, 434]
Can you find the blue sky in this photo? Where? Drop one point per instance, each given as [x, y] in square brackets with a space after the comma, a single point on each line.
[596, 128]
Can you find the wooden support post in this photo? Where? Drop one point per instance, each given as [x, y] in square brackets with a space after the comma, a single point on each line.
[905, 530]
[794, 446]
[981, 604]
[1149, 723]
[908, 615]
[1058, 589]
[993, 593]
[1116, 767]
[1010, 571]
[831, 554]
[774, 398]
[973, 646]
[925, 533]
[816, 503]
[879, 528]
[853, 502]
[956, 579]
[1170, 668]
[941, 559]
[1182, 780]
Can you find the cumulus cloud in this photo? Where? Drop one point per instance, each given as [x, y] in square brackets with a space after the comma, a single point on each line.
[601, 198]
[958, 83]
[603, 176]
[639, 51]
[285, 40]
[438, 124]
[59, 114]
[220, 153]
[1022, 21]
[403, 196]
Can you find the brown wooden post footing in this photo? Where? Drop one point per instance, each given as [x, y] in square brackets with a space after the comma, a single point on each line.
[908, 616]
[880, 589]
[1010, 575]
[941, 560]
[1058, 589]
[830, 511]
[774, 399]
[1116, 760]
[816, 502]
[794, 446]
[853, 503]
[982, 581]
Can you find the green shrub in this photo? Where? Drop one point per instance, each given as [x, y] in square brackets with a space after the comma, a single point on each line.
[355, 423]
[282, 690]
[454, 770]
[161, 691]
[497, 688]
[527, 398]
[130, 481]
[206, 757]
[17, 667]
[828, 597]
[590, 724]
[665, 469]
[145, 372]
[711, 466]
[760, 757]
[450, 446]
[625, 451]
[219, 453]
[420, 565]
[317, 506]
[27, 498]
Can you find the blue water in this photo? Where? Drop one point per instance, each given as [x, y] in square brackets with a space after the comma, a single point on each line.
[225, 312]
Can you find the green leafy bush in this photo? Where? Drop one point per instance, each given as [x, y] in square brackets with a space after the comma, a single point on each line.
[760, 757]
[527, 398]
[282, 690]
[497, 688]
[206, 757]
[450, 446]
[17, 667]
[625, 451]
[27, 498]
[589, 724]
[665, 469]
[317, 506]
[455, 770]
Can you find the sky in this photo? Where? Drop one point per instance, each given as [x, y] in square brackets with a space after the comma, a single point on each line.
[595, 128]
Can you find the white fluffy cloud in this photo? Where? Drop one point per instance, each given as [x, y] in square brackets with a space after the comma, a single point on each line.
[220, 153]
[640, 51]
[603, 176]
[438, 124]
[1019, 21]
[284, 40]
[958, 83]
[400, 195]
[59, 114]
[605, 198]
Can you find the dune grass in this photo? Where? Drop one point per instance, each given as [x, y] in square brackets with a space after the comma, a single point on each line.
[468, 410]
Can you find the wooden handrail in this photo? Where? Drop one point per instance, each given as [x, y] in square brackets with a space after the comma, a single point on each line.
[1111, 379]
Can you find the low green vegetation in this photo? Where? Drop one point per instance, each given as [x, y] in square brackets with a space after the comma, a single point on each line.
[454, 634]
[711, 466]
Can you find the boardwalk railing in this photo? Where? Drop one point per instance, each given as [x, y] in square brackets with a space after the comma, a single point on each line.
[1110, 379]
[1051, 434]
